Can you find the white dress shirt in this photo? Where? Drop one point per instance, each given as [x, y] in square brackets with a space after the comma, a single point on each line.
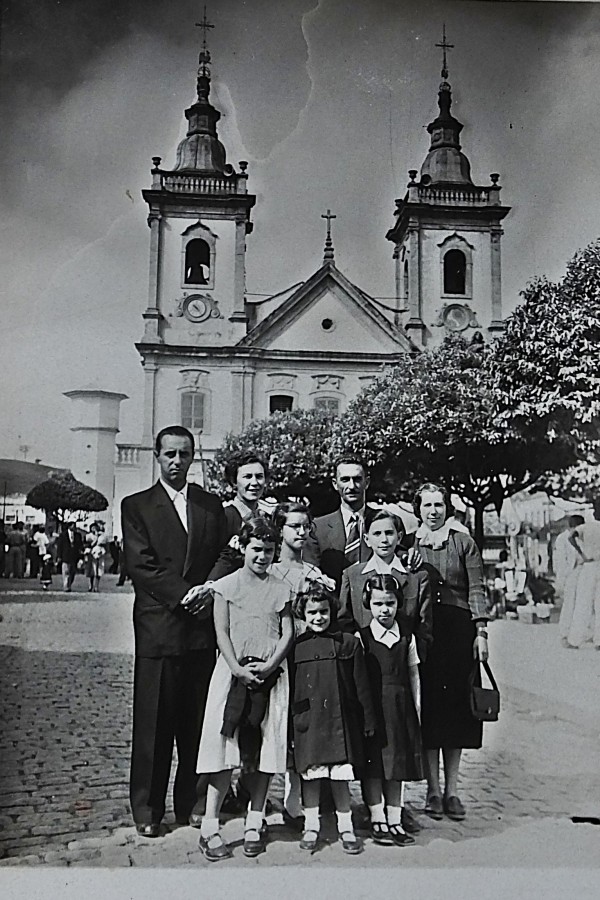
[379, 567]
[179, 501]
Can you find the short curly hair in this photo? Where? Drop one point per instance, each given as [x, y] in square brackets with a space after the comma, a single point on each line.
[258, 528]
[320, 594]
[237, 460]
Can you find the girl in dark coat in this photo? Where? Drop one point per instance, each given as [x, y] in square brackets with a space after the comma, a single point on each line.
[332, 712]
[394, 753]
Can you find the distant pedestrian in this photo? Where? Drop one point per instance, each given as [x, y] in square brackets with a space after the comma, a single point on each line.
[69, 550]
[46, 571]
[2, 547]
[17, 544]
[95, 551]
[585, 623]
[565, 559]
[113, 549]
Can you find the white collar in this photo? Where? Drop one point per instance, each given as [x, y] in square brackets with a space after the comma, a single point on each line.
[376, 564]
[434, 539]
[348, 514]
[172, 493]
[387, 636]
[243, 509]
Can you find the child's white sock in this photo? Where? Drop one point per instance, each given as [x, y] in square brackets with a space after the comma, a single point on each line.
[394, 815]
[311, 818]
[344, 822]
[377, 813]
[209, 827]
[254, 820]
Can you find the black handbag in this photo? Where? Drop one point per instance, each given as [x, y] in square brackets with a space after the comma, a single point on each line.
[485, 702]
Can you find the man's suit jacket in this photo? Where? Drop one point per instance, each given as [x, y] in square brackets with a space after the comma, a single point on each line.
[415, 612]
[325, 548]
[163, 562]
[69, 552]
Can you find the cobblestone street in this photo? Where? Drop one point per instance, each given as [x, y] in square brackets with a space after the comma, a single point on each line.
[66, 670]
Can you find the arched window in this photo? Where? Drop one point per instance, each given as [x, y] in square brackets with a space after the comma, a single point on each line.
[329, 405]
[192, 410]
[197, 262]
[405, 280]
[455, 272]
[280, 403]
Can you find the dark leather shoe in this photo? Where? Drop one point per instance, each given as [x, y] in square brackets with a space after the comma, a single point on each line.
[216, 853]
[400, 837]
[380, 833]
[195, 820]
[150, 831]
[433, 807]
[254, 848]
[351, 844]
[408, 821]
[454, 808]
[310, 840]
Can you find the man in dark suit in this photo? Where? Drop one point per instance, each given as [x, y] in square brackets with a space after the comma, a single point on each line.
[337, 540]
[172, 535]
[69, 550]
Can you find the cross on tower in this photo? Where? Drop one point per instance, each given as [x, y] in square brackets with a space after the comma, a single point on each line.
[445, 46]
[204, 25]
[328, 252]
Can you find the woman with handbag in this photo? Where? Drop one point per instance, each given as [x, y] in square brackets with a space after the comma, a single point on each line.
[455, 569]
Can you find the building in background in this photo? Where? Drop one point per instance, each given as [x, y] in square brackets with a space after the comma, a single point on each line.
[215, 358]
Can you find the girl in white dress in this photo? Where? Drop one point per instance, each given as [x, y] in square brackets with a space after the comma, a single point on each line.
[253, 618]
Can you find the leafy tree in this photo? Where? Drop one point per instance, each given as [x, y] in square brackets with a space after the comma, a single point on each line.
[63, 492]
[295, 445]
[546, 362]
[434, 417]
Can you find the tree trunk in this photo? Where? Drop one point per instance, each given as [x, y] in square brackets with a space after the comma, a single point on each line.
[478, 535]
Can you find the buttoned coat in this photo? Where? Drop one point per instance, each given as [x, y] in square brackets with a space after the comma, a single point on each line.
[332, 707]
[414, 613]
[163, 562]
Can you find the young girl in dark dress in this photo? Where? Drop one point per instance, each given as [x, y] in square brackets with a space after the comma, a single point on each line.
[394, 753]
[332, 711]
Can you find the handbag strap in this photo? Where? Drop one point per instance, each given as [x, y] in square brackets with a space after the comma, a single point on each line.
[488, 671]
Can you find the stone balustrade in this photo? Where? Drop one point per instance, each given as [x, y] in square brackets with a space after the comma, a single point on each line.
[454, 196]
[182, 183]
[128, 455]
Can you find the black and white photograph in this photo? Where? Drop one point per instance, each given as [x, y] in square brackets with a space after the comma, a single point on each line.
[300, 456]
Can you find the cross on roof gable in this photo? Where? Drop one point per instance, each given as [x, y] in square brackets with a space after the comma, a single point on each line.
[300, 300]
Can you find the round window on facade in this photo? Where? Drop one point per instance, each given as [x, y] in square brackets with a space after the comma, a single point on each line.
[327, 324]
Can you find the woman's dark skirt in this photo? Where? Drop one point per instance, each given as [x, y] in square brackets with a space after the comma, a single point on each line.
[446, 719]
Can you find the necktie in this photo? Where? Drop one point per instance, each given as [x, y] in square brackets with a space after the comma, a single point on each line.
[352, 548]
[180, 505]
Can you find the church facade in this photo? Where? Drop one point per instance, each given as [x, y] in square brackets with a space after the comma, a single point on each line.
[215, 358]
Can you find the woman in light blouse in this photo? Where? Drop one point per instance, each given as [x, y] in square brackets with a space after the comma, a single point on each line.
[455, 568]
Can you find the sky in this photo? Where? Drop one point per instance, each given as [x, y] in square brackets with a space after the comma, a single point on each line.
[328, 101]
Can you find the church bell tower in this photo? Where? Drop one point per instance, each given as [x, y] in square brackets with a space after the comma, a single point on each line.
[447, 238]
[199, 216]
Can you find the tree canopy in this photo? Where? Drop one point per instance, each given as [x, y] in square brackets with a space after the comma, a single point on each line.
[63, 492]
[294, 445]
[435, 417]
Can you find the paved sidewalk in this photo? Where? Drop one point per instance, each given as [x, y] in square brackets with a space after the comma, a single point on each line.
[65, 694]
